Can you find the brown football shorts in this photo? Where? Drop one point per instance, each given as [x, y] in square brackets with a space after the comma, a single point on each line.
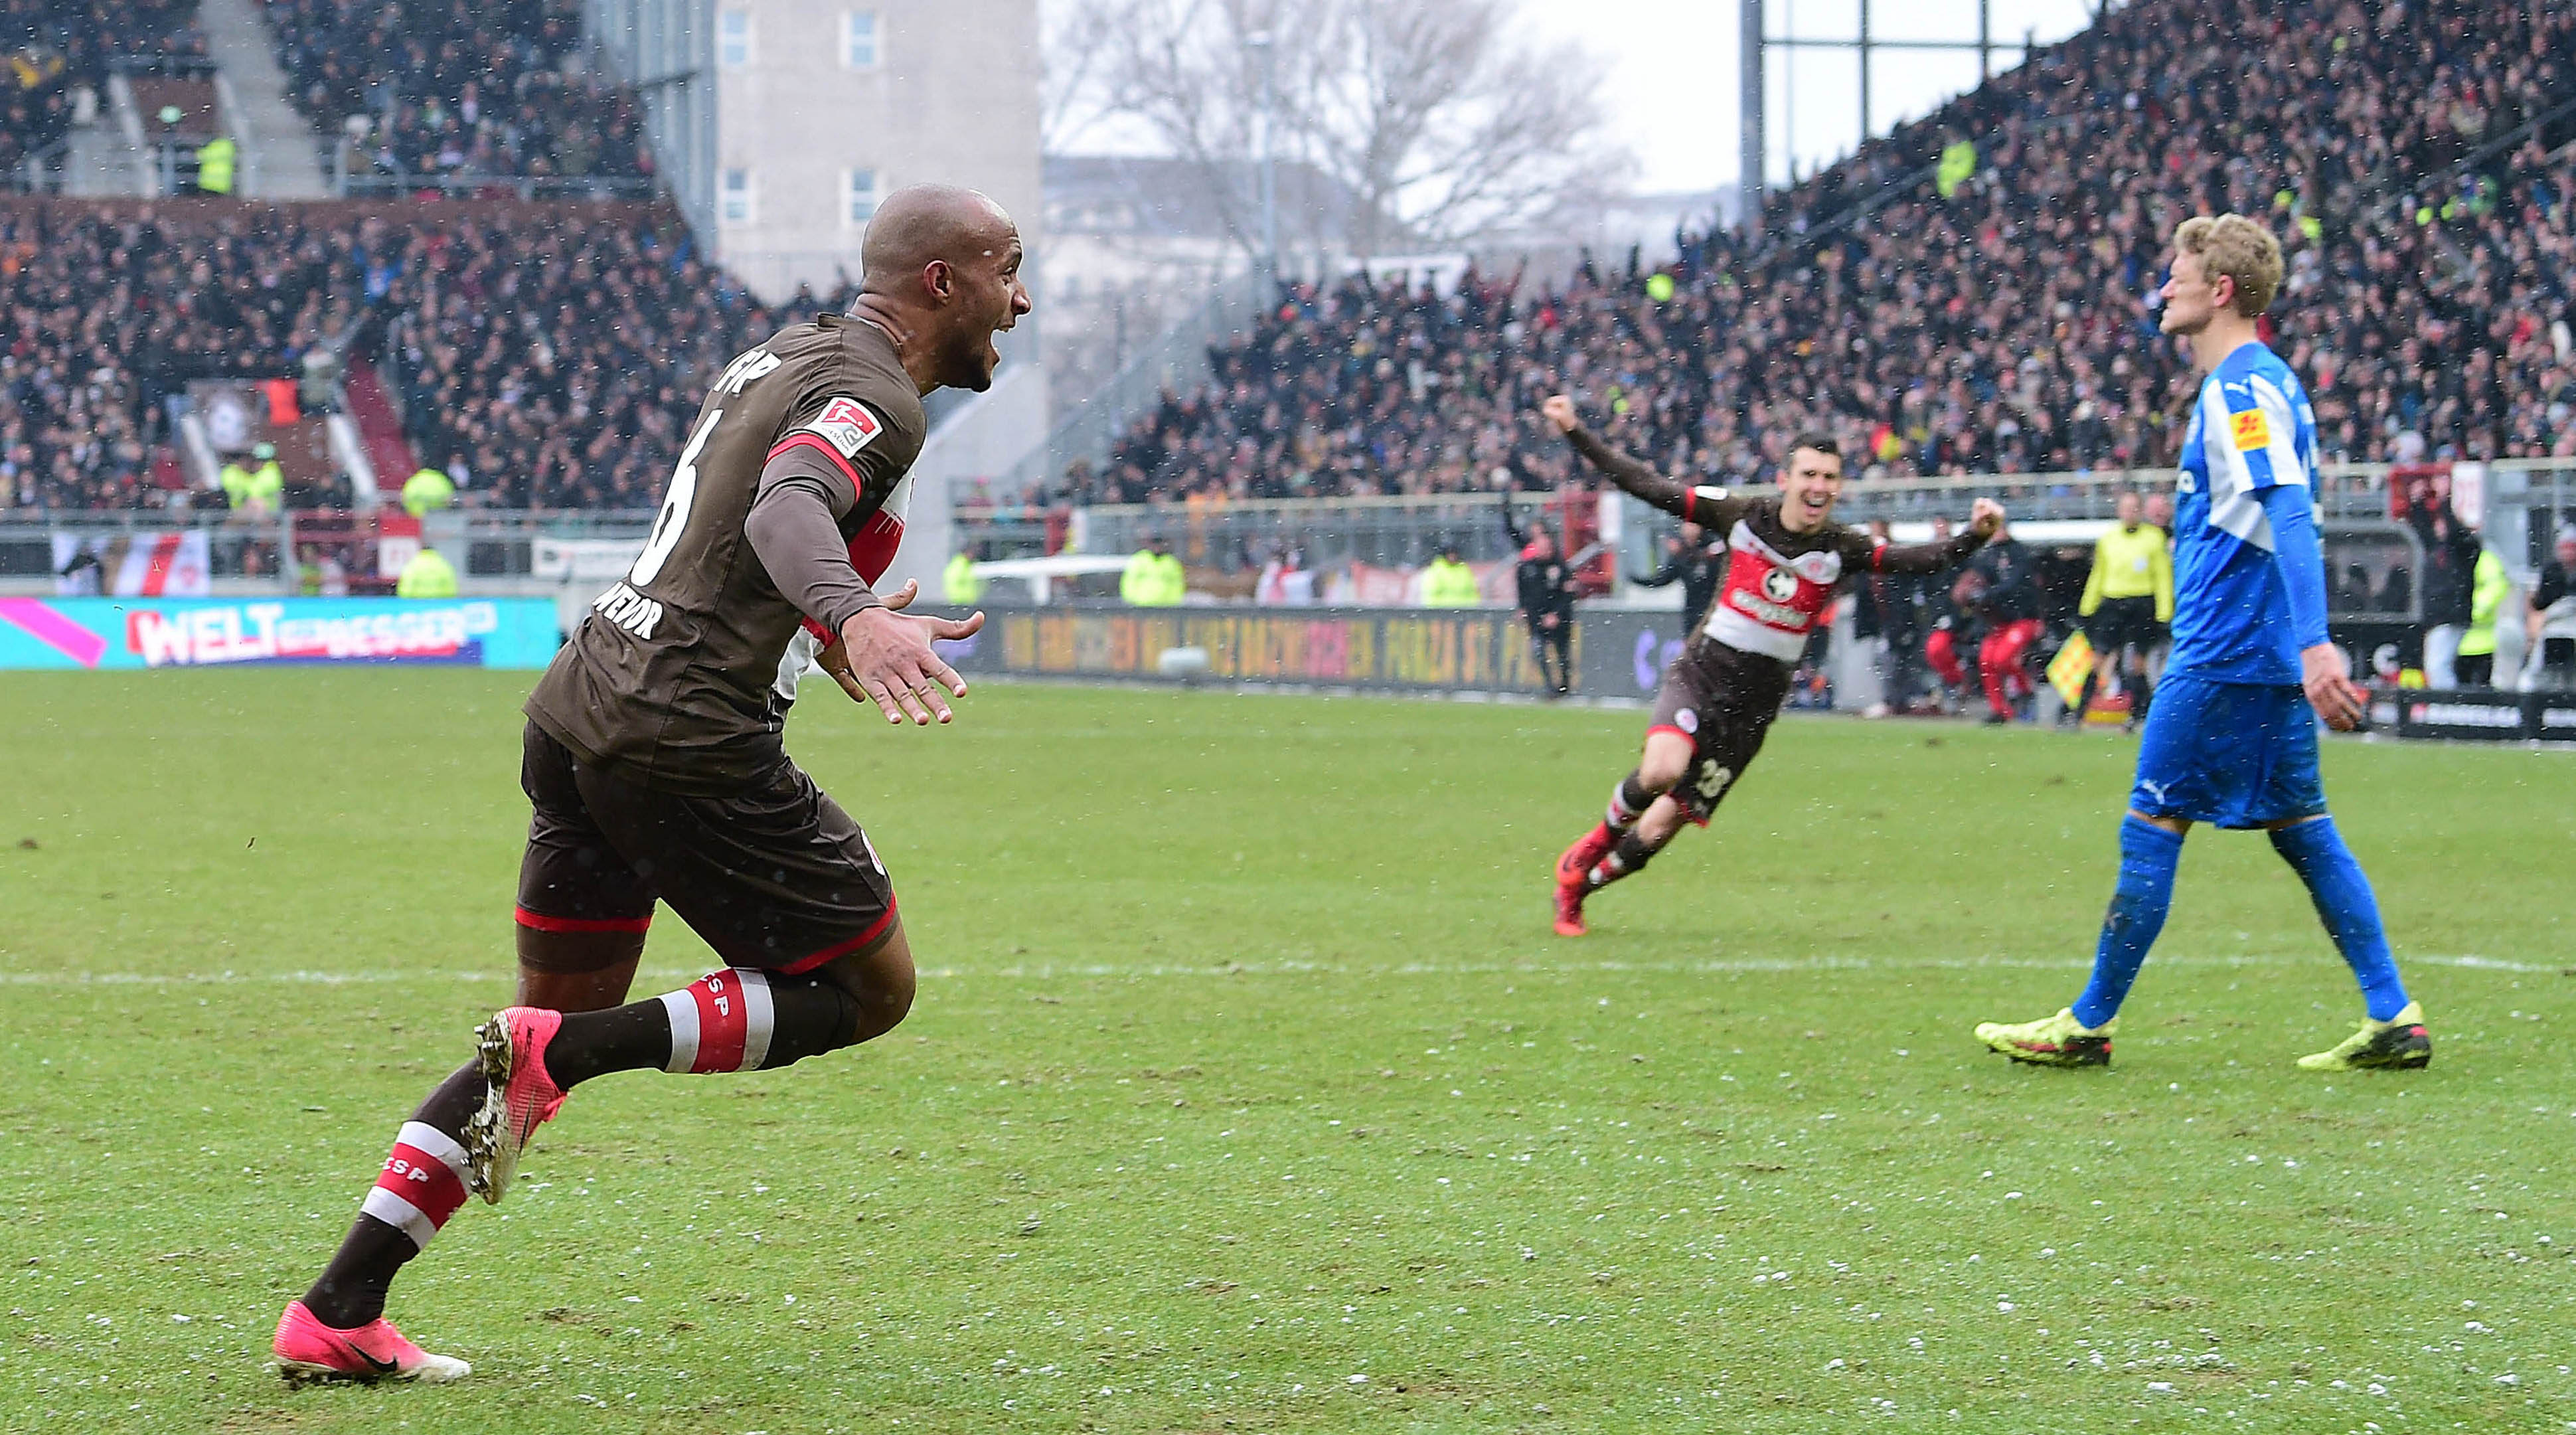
[772, 875]
[1703, 701]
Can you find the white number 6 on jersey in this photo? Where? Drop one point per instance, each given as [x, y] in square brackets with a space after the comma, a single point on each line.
[674, 517]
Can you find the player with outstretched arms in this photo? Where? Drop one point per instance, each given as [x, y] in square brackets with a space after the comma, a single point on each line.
[2232, 738]
[653, 761]
[1785, 556]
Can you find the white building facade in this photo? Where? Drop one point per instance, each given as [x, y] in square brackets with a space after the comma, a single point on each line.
[778, 126]
[823, 107]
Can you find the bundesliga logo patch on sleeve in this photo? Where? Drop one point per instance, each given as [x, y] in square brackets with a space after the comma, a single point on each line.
[846, 425]
[2253, 431]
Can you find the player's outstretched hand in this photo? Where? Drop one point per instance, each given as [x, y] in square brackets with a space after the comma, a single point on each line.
[2331, 690]
[1560, 412]
[1985, 518]
[883, 656]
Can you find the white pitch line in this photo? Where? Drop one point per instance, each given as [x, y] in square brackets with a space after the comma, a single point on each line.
[1049, 972]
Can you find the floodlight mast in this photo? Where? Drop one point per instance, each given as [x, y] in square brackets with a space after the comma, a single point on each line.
[1752, 149]
[1756, 48]
[1266, 121]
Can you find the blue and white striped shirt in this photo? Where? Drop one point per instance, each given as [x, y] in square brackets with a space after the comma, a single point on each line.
[2251, 432]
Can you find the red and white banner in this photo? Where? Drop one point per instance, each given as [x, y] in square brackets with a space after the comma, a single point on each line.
[2426, 487]
[134, 565]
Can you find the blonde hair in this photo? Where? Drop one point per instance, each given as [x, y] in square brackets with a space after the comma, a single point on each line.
[2235, 247]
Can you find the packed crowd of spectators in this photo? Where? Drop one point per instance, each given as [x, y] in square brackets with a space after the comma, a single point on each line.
[551, 364]
[459, 89]
[558, 366]
[49, 50]
[101, 319]
[2008, 324]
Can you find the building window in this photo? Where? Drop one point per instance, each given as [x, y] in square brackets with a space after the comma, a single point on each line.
[733, 38]
[858, 197]
[859, 39]
[733, 199]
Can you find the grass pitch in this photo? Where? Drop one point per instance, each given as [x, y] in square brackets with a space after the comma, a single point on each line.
[1248, 1089]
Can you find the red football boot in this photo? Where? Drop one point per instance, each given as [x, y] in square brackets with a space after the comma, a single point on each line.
[1569, 909]
[512, 1049]
[1577, 861]
[306, 1350]
[1573, 868]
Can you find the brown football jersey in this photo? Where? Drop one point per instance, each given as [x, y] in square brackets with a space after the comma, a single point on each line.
[670, 679]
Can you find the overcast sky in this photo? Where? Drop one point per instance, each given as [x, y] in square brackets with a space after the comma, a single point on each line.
[1673, 72]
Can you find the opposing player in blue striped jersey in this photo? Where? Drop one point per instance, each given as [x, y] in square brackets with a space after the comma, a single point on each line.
[2232, 738]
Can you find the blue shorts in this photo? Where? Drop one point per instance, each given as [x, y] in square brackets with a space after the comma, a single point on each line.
[2229, 754]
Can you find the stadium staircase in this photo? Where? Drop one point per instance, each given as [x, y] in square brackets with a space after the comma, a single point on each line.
[380, 430]
[280, 157]
[109, 158]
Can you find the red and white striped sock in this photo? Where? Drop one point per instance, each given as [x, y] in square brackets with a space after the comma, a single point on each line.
[421, 1185]
[723, 1021]
[1628, 802]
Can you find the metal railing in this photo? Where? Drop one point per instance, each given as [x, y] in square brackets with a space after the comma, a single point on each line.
[247, 549]
[347, 181]
[40, 170]
[2523, 502]
[1391, 532]
[180, 67]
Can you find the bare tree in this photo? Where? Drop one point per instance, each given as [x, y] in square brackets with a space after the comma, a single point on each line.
[1443, 130]
[1434, 125]
[1074, 44]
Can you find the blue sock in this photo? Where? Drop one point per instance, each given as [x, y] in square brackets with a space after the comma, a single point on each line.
[2148, 856]
[2316, 852]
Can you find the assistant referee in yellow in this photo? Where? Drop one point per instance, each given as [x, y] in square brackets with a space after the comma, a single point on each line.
[2127, 603]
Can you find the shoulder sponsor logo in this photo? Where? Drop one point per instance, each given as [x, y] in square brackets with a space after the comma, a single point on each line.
[1687, 720]
[2252, 430]
[845, 424]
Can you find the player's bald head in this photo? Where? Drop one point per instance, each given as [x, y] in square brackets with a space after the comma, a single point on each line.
[923, 223]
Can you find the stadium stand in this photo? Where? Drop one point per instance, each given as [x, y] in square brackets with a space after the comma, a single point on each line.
[108, 317]
[559, 360]
[459, 90]
[48, 49]
[2413, 155]
[586, 408]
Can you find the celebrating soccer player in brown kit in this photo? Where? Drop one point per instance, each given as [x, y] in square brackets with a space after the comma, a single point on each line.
[654, 763]
[1784, 556]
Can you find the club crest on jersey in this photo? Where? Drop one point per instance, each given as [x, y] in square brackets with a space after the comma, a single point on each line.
[846, 425]
[2252, 430]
